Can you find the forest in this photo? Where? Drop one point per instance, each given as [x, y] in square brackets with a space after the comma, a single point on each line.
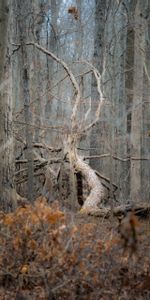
[75, 149]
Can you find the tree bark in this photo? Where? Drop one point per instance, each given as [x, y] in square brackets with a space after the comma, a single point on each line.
[23, 8]
[97, 191]
[7, 193]
[137, 120]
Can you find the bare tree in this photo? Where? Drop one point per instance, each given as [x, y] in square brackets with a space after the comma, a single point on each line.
[97, 191]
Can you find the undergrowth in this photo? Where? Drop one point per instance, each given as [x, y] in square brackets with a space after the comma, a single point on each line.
[46, 254]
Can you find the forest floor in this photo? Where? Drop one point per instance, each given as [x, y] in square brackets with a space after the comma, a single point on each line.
[46, 254]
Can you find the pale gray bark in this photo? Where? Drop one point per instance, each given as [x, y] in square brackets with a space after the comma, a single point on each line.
[7, 192]
[137, 107]
[139, 99]
[97, 134]
[145, 166]
[23, 11]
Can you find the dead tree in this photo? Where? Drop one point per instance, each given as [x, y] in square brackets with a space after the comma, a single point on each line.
[77, 164]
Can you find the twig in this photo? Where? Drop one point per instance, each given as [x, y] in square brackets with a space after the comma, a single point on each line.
[106, 179]
[116, 157]
[45, 146]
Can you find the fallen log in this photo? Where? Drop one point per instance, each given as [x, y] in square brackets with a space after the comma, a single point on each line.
[141, 210]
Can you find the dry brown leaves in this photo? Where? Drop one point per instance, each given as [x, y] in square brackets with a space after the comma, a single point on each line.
[46, 254]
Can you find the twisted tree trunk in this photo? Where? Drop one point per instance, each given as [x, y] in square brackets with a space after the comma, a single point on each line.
[97, 191]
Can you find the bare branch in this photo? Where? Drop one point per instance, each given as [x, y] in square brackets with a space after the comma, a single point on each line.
[116, 157]
[45, 146]
[71, 76]
[99, 90]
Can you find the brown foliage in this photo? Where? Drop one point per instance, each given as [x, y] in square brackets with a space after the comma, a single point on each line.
[45, 255]
[128, 231]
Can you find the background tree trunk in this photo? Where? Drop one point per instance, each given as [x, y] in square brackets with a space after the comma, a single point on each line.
[137, 127]
[24, 8]
[6, 107]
